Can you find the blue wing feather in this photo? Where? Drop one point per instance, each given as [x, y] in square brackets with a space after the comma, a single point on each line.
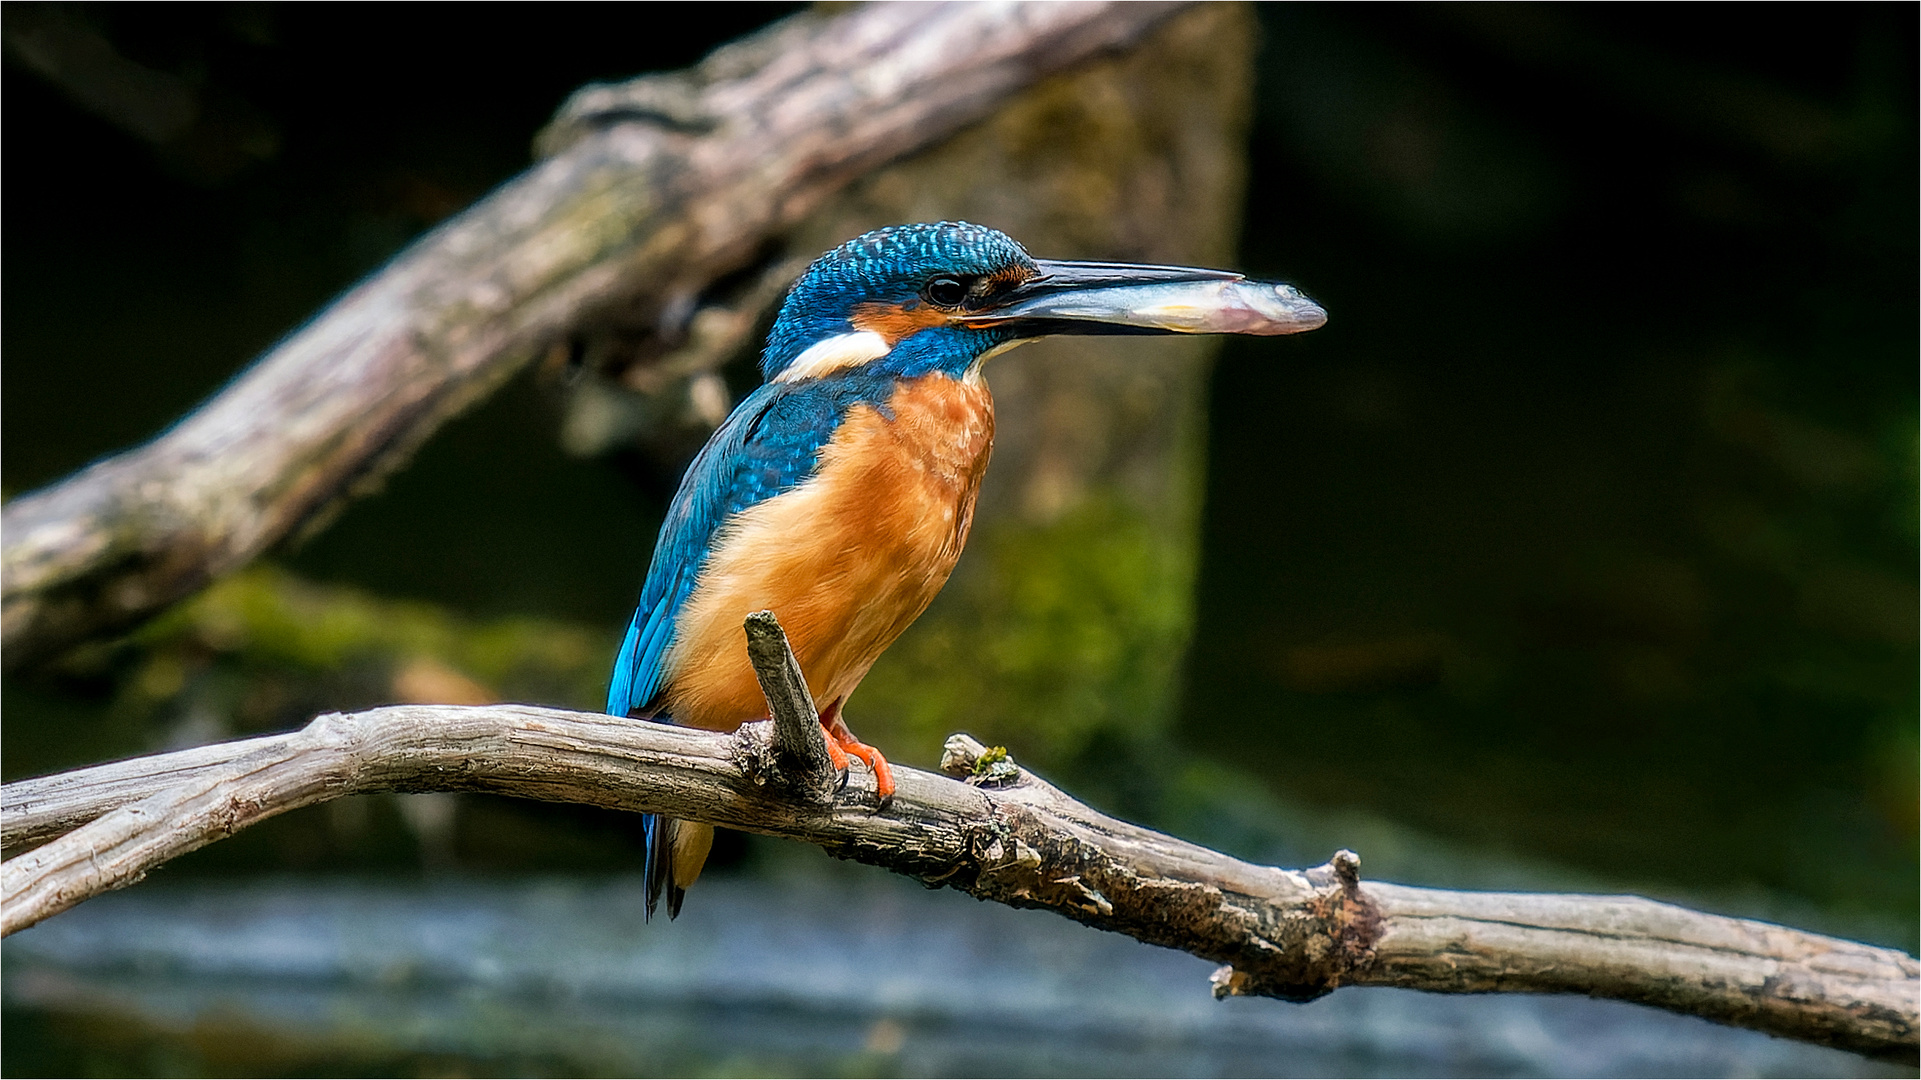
[770, 444]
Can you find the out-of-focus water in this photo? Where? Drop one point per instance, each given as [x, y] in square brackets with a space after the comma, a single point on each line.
[842, 973]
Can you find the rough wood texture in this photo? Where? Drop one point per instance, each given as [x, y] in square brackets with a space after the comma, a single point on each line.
[802, 768]
[654, 189]
[996, 833]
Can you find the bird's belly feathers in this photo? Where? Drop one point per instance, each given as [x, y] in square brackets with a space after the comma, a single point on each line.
[846, 560]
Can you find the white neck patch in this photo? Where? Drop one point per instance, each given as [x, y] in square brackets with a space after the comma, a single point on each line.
[837, 353]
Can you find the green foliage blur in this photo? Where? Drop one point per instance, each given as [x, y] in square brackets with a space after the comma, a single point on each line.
[1075, 642]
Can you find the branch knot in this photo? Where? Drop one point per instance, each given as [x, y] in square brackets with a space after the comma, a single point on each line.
[967, 758]
[1331, 938]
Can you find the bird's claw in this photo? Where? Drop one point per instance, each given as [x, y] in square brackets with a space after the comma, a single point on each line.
[842, 745]
[883, 774]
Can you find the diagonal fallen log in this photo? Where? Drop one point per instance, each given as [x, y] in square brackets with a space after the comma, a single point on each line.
[653, 189]
[988, 829]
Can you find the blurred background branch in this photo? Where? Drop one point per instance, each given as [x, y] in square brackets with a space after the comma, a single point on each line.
[651, 192]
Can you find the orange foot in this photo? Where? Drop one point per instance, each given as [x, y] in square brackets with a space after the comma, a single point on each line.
[836, 755]
[842, 745]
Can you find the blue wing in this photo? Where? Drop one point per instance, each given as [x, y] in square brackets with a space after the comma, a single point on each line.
[770, 443]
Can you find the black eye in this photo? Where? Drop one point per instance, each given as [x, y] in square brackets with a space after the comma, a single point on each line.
[945, 291]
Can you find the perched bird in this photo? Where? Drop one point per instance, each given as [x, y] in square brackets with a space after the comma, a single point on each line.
[839, 494]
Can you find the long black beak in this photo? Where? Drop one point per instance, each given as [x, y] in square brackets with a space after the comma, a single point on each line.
[1125, 298]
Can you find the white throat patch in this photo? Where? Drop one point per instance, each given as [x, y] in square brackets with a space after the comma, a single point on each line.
[837, 353]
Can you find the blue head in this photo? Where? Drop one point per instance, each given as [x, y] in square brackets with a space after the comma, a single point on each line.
[893, 283]
[940, 297]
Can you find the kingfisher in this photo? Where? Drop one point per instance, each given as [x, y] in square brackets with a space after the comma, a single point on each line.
[839, 494]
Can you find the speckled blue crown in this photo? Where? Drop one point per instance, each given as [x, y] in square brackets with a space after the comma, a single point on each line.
[887, 265]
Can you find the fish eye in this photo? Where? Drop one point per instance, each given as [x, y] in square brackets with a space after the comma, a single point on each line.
[945, 291]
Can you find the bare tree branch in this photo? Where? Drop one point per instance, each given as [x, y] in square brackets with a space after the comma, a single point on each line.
[997, 833]
[654, 189]
[799, 745]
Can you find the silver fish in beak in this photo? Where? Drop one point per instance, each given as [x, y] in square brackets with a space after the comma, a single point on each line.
[1126, 298]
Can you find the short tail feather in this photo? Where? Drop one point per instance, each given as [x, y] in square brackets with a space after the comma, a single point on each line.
[676, 851]
[657, 832]
[658, 868]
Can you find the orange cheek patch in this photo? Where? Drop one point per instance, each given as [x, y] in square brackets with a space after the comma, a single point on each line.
[894, 322]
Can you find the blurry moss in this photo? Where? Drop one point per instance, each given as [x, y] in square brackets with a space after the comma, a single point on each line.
[1071, 630]
[995, 767]
[989, 758]
[265, 647]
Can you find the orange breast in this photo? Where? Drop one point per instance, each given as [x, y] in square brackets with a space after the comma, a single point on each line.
[847, 560]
